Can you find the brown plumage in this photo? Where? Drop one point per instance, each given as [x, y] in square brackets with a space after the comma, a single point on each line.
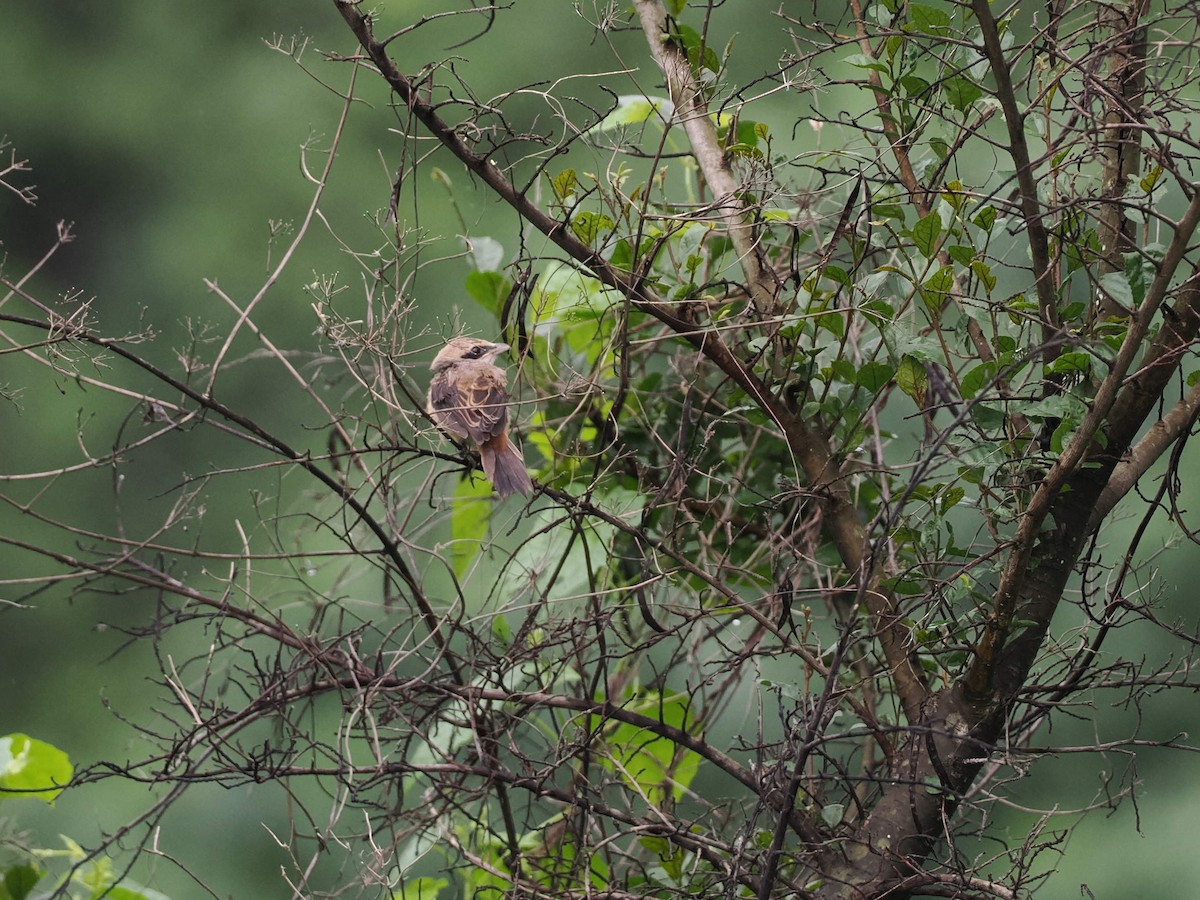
[468, 398]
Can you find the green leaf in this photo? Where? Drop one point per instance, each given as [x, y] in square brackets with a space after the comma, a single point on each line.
[831, 813]
[950, 498]
[1062, 434]
[699, 54]
[1150, 179]
[489, 289]
[926, 233]
[875, 376]
[32, 768]
[938, 286]
[1056, 406]
[843, 370]
[424, 888]
[1071, 361]
[914, 85]
[1116, 285]
[978, 378]
[862, 61]
[19, 880]
[954, 195]
[128, 890]
[564, 184]
[962, 92]
[984, 273]
[832, 322]
[961, 254]
[588, 226]
[888, 211]
[470, 517]
[486, 253]
[654, 765]
[1140, 272]
[929, 20]
[912, 378]
[670, 855]
[635, 109]
[622, 255]
[838, 274]
[676, 7]
[748, 132]
[985, 218]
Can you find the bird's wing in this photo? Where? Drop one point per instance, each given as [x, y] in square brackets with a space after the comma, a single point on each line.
[472, 403]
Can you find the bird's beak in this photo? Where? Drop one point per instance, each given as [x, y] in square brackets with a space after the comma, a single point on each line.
[499, 348]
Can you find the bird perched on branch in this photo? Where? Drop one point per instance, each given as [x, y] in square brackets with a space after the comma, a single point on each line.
[468, 398]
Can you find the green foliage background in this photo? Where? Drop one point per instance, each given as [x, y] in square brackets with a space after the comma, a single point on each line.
[170, 135]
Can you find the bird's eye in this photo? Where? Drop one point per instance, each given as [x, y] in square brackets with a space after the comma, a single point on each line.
[475, 352]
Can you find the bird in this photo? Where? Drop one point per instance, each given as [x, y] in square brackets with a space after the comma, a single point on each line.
[468, 398]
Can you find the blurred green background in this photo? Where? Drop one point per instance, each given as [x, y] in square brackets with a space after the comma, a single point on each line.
[171, 137]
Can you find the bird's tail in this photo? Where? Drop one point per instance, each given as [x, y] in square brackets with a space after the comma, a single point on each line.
[504, 466]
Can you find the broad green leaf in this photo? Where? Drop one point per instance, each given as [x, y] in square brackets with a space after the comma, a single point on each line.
[672, 856]
[1056, 406]
[838, 274]
[985, 218]
[635, 109]
[1116, 285]
[961, 92]
[984, 273]
[676, 7]
[928, 19]
[977, 378]
[655, 766]
[564, 183]
[1150, 179]
[832, 322]
[32, 768]
[1140, 272]
[19, 880]
[488, 880]
[926, 233]
[622, 255]
[843, 370]
[862, 61]
[588, 226]
[487, 254]
[699, 54]
[938, 286]
[1071, 361]
[888, 211]
[1062, 434]
[912, 378]
[128, 890]
[875, 376]
[425, 888]
[469, 520]
[831, 814]
[950, 498]
[489, 289]
[961, 254]
[954, 195]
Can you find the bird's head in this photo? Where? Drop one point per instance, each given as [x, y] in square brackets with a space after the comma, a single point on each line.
[463, 349]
